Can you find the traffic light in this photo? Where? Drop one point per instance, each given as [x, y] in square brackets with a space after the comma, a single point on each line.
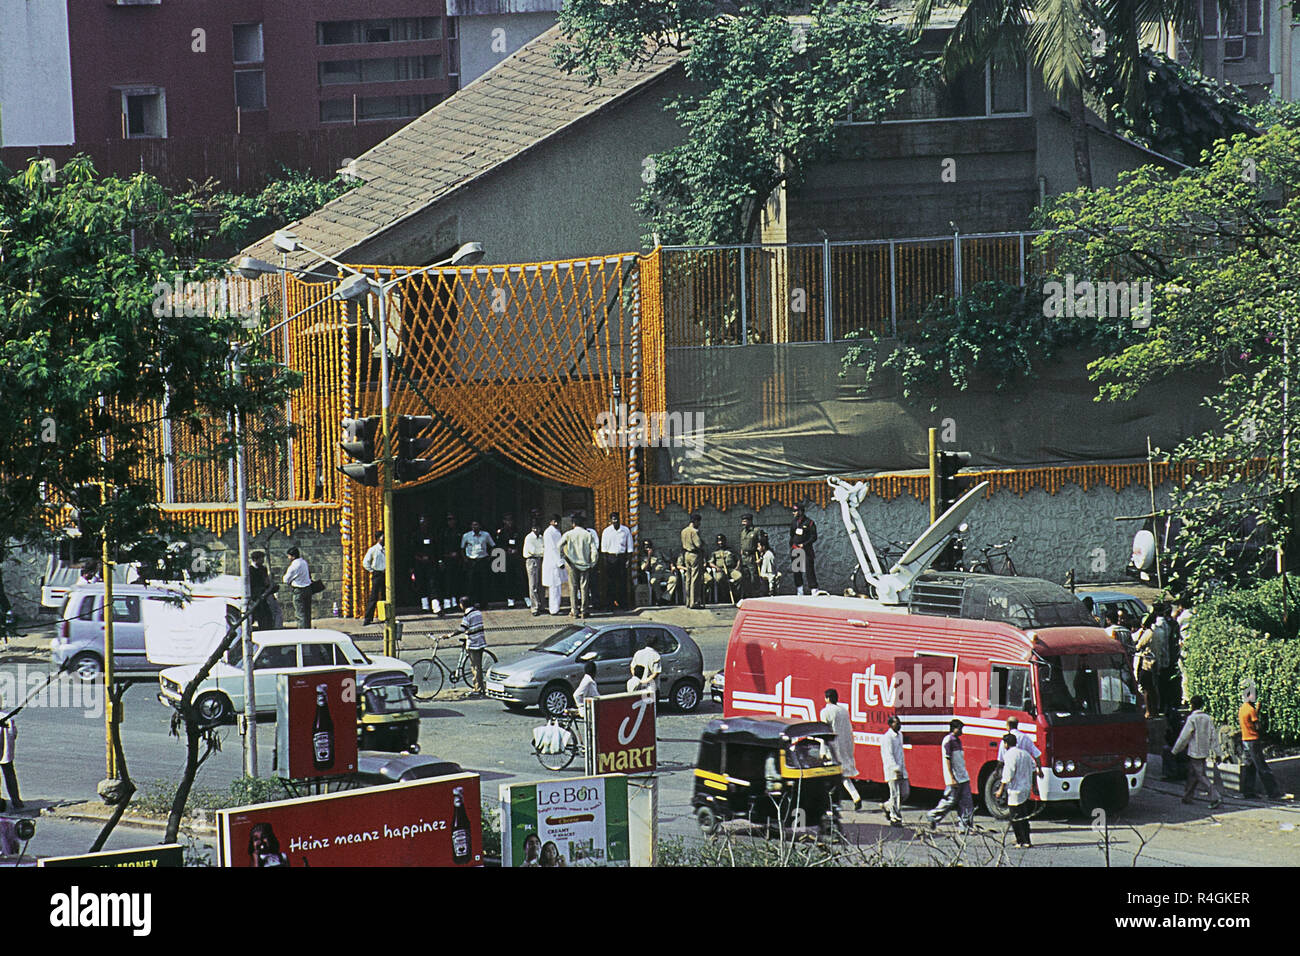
[409, 448]
[360, 444]
[950, 486]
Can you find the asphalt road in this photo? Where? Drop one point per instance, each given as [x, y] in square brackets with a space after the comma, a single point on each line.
[61, 759]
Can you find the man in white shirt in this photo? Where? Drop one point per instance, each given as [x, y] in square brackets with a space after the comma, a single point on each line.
[1023, 741]
[579, 550]
[836, 716]
[373, 564]
[615, 547]
[894, 761]
[534, 556]
[767, 571]
[553, 571]
[1199, 738]
[1017, 784]
[476, 544]
[298, 577]
[647, 658]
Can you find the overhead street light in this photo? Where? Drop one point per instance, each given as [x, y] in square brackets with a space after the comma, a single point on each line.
[354, 288]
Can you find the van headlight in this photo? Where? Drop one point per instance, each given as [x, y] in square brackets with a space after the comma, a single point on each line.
[1059, 766]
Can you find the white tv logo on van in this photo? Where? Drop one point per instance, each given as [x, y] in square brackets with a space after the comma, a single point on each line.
[781, 702]
[872, 690]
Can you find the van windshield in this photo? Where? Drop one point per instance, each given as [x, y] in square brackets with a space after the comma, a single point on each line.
[1087, 685]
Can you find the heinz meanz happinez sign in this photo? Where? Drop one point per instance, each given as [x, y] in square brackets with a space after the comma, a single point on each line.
[621, 734]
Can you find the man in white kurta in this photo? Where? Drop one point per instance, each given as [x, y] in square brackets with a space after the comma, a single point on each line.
[553, 573]
[836, 715]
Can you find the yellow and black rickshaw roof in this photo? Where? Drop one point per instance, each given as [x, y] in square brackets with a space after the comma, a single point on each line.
[766, 731]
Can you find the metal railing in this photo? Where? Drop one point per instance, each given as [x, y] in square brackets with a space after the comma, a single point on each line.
[823, 292]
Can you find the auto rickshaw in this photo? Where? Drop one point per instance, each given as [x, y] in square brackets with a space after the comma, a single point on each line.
[766, 770]
[387, 718]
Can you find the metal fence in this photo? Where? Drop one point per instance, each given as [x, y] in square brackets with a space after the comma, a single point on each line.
[823, 292]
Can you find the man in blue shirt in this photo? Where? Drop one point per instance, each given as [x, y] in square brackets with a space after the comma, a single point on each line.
[477, 546]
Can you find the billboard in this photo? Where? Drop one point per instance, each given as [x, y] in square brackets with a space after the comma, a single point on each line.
[621, 734]
[187, 633]
[316, 723]
[434, 822]
[582, 822]
[168, 854]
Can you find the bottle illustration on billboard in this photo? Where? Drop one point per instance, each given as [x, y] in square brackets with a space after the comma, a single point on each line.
[322, 731]
[460, 841]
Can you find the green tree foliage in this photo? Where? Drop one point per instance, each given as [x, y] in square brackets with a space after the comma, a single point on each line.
[1241, 634]
[79, 324]
[768, 88]
[1220, 245]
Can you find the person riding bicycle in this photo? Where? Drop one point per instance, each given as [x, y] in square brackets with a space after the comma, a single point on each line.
[472, 635]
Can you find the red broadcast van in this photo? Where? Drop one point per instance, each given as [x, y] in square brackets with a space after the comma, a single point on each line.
[980, 648]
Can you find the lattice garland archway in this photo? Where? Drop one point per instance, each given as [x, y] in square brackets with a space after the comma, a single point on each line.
[517, 360]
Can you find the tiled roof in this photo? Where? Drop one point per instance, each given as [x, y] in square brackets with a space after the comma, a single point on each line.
[515, 106]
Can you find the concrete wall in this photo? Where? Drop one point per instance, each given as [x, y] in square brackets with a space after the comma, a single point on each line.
[487, 40]
[1073, 529]
[568, 198]
[35, 79]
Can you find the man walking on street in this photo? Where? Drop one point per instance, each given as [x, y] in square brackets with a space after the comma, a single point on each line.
[1017, 784]
[579, 551]
[534, 555]
[693, 563]
[298, 577]
[803, 532]
[1198, 739]
[615, 549]
[475, 638]
[894, 761]
[836, 715]
[749, 536]
[1254, 766]
[8, 744]
[373, 564]
[956, 782]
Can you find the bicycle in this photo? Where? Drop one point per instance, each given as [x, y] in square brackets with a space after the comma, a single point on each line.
[996, 560]
[574, 748]
[887, 556]
[431, 672]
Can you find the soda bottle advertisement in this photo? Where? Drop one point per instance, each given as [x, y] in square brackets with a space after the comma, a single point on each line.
[316, 724]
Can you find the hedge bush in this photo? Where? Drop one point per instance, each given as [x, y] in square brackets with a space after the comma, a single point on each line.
[1239, 634]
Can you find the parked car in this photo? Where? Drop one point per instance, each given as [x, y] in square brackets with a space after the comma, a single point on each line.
[221, 695]
[547, 676]
[79, 641]
[1105, 601]
[376, 768]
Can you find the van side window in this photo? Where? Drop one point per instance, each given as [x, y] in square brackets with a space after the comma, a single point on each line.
[126, 609]
[1009, 687]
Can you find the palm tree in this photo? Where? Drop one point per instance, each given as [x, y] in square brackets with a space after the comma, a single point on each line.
[1062, 36]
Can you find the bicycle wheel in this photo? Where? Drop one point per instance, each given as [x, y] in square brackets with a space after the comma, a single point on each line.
[560, 760]
[429, 676]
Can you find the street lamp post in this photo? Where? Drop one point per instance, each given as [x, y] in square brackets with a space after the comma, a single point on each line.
[357, 286]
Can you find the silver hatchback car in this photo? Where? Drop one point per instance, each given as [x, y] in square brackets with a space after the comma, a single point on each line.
[548, 675]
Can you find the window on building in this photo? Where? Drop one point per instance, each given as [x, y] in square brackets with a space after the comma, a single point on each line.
[976, 93]
[393, 30]
[380, 70]
[144, 113]
[250, 89]
[248, 43]
[1242, 21]
[377, 108]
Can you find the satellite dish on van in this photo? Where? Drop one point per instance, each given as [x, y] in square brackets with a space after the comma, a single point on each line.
[1144, 550]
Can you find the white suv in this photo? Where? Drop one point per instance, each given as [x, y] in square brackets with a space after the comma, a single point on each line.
[221, 695]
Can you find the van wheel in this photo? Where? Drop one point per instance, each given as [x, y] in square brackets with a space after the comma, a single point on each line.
[686, 695]
[708, 820]
[213, 707]
[996, 808]
[87, 667]
[555, 700]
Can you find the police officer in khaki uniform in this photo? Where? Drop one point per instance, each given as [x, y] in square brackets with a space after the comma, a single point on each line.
[749, 538]
[656, 573]
[693, 563]
[724, 571]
